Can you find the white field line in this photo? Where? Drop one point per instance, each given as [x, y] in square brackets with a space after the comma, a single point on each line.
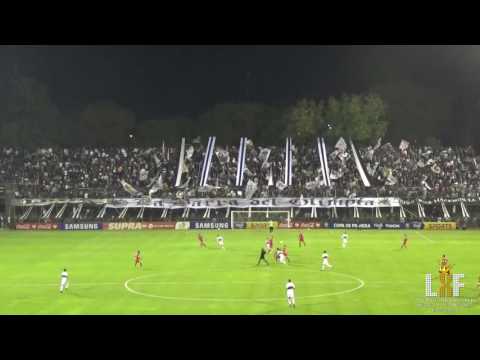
[360, 281]
[425, 237]
[195, 283]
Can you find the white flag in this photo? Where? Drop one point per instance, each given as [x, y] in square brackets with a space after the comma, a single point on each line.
[403, 145]
[143, 175]
[341, 145]
[189, 152]
[263, 157]
[157, 160]
[158, 185]
[250, 189]
[280, 185]
[129, 188]
[270, 178]
[222, 156]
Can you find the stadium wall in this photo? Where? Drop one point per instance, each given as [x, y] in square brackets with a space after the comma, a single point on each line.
[220, 225]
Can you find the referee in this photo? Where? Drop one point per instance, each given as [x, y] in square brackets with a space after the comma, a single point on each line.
[270, 224]
[263, 252]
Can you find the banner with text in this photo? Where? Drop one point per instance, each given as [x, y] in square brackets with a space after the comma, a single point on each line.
[440, 225]
[81, 226]
[209, 224]
[31, 226]
[375, 225]
[219, 203]
[139, 225]
[260, 224]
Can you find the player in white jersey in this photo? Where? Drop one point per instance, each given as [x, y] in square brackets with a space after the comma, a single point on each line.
[290, 293]
[325, 260]
[344, 240]
[220, 242]
[64, 280]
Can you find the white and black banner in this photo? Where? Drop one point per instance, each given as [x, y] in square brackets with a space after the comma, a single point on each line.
[363, 176]
[181, 163]
[288, 162]
[241, 161]
[219, 203]
[207, 161]
[322, 153]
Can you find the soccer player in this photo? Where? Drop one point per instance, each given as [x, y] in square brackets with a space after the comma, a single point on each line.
[325, 260]
[263, 252]
[281, 256]
[443, 261]
[202, 242]
[301, 239]
[63, 281]
[220, 242]
[270, 225]
[405, 240]
[269, 244]
[277, 255]
[344, 238]
[290, 293]
[138, 259]
[285, 253]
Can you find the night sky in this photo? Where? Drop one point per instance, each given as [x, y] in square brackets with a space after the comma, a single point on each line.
[160, 81]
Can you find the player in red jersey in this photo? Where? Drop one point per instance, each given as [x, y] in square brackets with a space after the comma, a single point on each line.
[301, 239]
[269, 244]
[138, 259]
[202, 242]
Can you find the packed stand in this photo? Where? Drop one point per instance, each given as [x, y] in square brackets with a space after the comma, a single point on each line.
[407, 172]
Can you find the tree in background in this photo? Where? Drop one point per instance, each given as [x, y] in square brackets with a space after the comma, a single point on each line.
[359, 117]
[305, 119]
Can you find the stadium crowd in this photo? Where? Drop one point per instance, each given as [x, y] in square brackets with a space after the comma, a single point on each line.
[406, 171]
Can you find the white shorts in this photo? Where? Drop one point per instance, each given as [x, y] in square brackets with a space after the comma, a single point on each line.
[220, 243]
[290, 294]
[325, 262]
[63, 283]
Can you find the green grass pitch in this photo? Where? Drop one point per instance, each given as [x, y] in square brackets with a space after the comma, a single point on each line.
[372, 276]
